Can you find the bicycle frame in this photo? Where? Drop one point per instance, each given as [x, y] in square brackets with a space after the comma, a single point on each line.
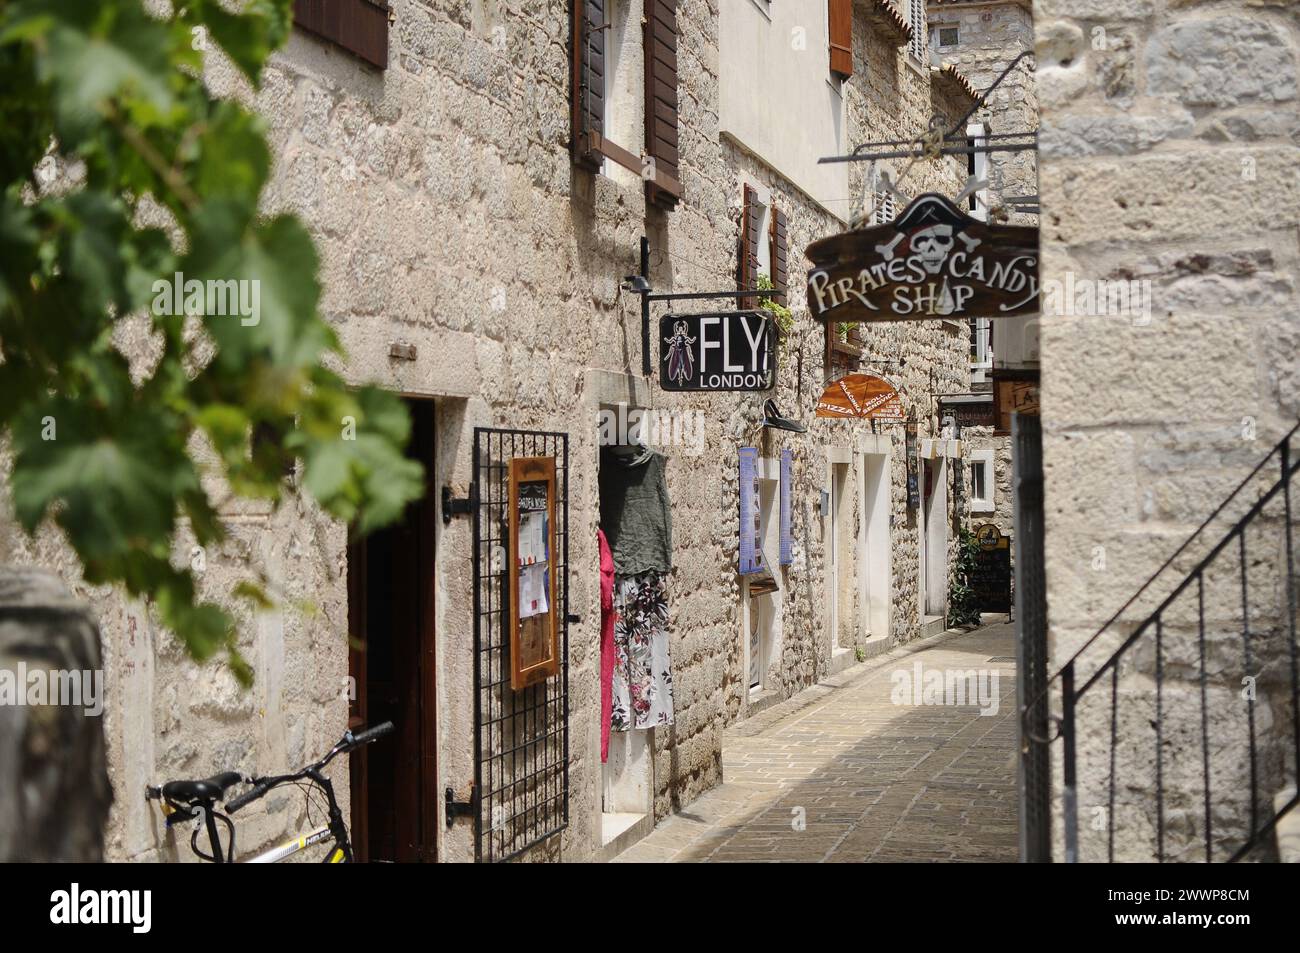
[289, 848]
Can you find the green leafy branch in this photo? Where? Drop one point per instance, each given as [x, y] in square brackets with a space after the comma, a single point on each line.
[115, 450]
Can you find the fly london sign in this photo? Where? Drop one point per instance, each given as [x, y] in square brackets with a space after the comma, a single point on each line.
[719, 351]
[933, 261]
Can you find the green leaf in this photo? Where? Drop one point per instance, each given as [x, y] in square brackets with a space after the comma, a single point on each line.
[248, 37]
[114, 474]
[111, 450]
[90, 53]
[254, 593]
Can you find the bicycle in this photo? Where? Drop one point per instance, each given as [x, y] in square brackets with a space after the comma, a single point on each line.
[183, 801]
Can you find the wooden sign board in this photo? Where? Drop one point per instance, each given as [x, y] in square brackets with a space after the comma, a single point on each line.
[718, 351]
[1013, 397]
[534, 617]
[933, 261]
[991, 579]
[969, 410]
[862, 396]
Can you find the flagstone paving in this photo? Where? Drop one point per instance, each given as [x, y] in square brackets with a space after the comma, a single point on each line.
[840, 773]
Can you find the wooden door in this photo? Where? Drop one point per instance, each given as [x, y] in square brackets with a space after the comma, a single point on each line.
[391, 586]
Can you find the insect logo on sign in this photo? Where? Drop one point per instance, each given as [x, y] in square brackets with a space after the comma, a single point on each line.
[718, 351]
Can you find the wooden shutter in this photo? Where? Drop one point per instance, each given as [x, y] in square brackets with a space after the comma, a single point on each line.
[359, 26]
[588, 106]
[778, 245]
[840, 18]
[661, 123]
[747, 258]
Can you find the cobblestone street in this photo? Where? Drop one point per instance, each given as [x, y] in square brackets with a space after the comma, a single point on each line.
[841, 773]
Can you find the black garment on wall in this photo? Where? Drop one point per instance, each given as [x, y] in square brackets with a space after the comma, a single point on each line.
[635, 512]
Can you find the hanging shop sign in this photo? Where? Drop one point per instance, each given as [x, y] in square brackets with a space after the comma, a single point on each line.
[534, 614]
[933, 261]
[718, 351]
[1013, 397]
[968, 410]
[990, 580]
[861, 396]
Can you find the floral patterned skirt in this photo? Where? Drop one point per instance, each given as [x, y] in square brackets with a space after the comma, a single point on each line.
[643, 678]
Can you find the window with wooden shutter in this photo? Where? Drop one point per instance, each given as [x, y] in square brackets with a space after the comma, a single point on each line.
[751, 223]
[840, 21]
[594, 96]
[588, 116]
[358, 26]
[779, 254]
[662, 177]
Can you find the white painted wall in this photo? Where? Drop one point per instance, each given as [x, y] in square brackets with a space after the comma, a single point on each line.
[763, 88]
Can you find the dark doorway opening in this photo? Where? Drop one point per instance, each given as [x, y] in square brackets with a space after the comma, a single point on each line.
[391, 619]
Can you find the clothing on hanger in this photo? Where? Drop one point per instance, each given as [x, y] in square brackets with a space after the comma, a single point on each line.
[642, 685]
[635, 513]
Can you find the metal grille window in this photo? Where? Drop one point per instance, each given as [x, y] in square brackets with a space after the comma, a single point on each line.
[884, 209]
[521, 738]
[918, 46]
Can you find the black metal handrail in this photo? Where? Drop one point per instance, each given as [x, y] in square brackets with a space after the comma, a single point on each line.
[1258, 652]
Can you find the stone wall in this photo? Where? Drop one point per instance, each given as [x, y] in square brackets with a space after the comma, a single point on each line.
[1170, 140]
[449, 217]
[991, 34]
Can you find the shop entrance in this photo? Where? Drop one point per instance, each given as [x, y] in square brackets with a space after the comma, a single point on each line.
[391, 663]
[841, 574]
[934, 549]
[764, 592]
[877, 585]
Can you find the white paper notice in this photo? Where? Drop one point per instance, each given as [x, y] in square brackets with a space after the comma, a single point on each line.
[532, 538]
[532, 591]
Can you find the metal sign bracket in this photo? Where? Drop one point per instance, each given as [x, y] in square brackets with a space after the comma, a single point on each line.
[640, 284]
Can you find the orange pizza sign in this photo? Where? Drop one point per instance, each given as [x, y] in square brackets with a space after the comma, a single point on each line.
[861, 396]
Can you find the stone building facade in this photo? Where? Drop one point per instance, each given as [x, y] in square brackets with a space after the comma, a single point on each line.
[470, 265]
[1170, 140]
[981, 39]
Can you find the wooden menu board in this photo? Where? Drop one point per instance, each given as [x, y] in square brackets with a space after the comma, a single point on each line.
[534, 616]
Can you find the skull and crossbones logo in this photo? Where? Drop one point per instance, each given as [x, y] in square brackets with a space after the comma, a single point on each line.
[931, 228]
[932, 246]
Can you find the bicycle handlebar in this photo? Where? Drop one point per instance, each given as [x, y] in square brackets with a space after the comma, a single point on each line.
[349, 742]
[256, 791]
[371, 734]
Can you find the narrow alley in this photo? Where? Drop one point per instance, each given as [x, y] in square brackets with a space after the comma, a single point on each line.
[841, 773]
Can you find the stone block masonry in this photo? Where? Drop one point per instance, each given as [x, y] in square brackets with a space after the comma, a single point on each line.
[1169, 145]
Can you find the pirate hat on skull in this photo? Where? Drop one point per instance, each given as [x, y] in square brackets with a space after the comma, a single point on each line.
[931, 223]
[929, 210]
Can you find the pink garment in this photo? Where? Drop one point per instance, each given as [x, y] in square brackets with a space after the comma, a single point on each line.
[607, 616]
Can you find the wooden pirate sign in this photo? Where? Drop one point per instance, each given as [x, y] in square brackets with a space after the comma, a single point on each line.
[933, 261]
[860, 396]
